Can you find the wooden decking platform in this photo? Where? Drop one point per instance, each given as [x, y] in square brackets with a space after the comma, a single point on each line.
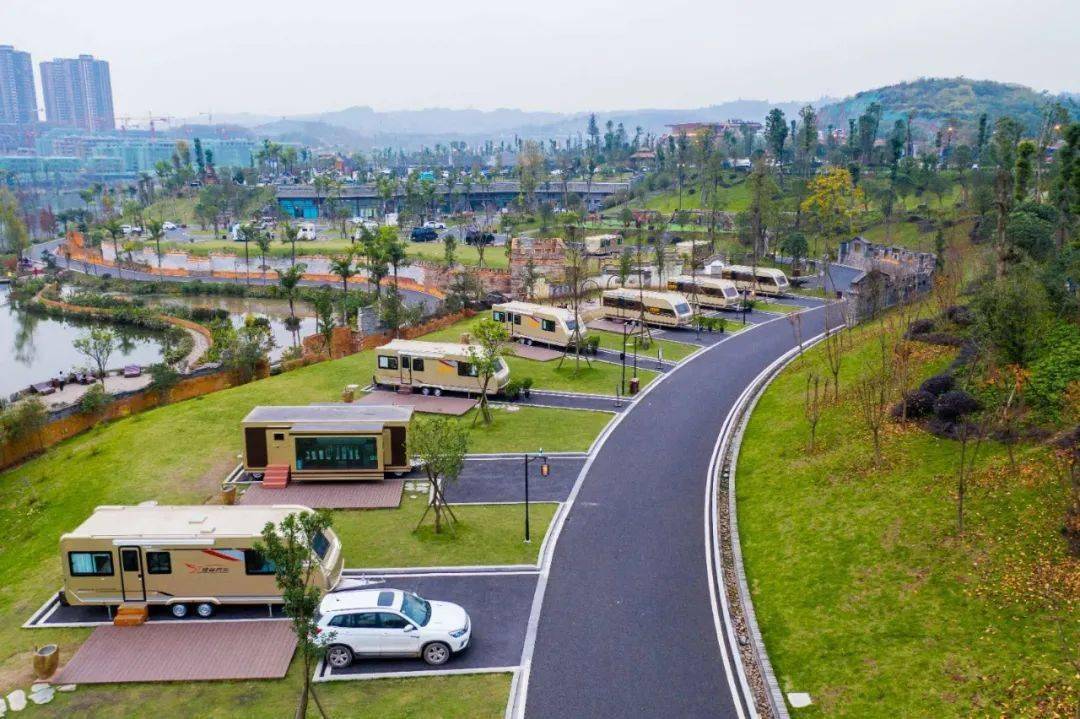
[182, 651]
[361, 494]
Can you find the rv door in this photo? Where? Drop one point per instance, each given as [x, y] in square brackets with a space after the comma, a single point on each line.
[406, 369]
[131, 574]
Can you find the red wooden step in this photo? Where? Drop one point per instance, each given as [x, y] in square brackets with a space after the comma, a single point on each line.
[276, 476]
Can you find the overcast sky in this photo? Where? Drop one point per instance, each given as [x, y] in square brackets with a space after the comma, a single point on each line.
[295, 57]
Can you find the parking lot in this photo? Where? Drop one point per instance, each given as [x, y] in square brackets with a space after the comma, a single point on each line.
[53, 614]
[502, 479]
[498, 604]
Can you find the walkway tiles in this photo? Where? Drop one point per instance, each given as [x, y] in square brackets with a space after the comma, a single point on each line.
[182, 651]
[455, 406]
[361, 494]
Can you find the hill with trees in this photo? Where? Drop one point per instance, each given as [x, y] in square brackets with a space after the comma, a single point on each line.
[933, 102]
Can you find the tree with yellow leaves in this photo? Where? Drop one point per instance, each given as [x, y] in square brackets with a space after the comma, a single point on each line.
[831, 203]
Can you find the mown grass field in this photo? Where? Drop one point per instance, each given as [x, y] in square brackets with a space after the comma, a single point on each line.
[868, 597]
[178, 454]
[673, 351]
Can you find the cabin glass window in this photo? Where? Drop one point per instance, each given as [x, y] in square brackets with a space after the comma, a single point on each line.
[498, 316]
[255, 563]
[387, 362]
[336, 453]
[158, 563]
[418, 364]
[91, 564]
[547, 325]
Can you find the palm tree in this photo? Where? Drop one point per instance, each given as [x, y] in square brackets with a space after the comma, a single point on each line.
[115, 231]
[288, 280]
[344, 268]
[156, 230]
[247, 232]
[372, 248]
[263, 239]
[396, 253]
[289, 233]
[322, 185]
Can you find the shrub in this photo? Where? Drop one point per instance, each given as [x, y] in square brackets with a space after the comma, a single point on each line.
[1056, 368]
[954, 404]
[920, 403]
[94, 400]
[513, 388]
[163, 378]
[920, 327]
[938, 384]
[960, 315]
[592, 344]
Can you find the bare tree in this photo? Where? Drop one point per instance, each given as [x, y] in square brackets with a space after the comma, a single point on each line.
[815, 398]
[440, 444]
[576, 276]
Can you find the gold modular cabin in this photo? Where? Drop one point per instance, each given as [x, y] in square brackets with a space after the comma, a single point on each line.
[539, 323]
[328, 441]
[184, 557]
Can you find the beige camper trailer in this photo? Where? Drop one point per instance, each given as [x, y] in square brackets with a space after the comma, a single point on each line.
[667, 309]
[186, 558]
[539, 323]
[711, 292]
[760, 280]
[328, 441]
[433, 367]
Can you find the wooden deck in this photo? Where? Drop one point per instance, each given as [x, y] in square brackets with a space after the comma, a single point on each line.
[360, 494]
[182, 651]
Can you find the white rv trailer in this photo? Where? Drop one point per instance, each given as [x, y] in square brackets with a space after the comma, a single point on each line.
[433, 367]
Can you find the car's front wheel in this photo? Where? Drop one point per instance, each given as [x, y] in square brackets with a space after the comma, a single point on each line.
[339, 656]
[436, 654]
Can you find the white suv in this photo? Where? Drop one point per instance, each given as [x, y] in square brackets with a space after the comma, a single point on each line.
[390, 623]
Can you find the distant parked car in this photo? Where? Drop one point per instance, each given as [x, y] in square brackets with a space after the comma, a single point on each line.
[435, 225]
[423, 234]
[168, 226]
[391, 623]
[475, 237]
[307, 231]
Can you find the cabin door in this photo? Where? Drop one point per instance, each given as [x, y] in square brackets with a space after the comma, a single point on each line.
[406, 369]
[131, 574]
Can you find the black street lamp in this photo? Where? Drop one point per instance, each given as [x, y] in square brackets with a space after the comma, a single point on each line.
[545, 469]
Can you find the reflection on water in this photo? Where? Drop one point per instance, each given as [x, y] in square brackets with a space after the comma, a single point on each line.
[277, 311]
[34, 348]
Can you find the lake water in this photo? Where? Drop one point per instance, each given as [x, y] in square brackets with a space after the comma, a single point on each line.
[277, 311]
[34, 348]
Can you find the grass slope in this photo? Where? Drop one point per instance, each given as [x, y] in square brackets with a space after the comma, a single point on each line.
[867, 597]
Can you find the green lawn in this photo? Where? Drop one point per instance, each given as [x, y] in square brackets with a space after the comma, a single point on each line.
[484, 534]
[902, 234]
[867, 597]
[674, 351]
[453, 697]
[776, 307]
[179, 454]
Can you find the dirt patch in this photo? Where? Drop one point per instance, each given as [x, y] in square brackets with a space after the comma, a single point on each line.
[210, 481]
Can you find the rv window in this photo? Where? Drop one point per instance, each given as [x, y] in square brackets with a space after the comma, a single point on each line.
[90, 564]
[387, 362]
[465, 369]
[255, 563]
[547, 325]
[405, 362]
[158, 563]
[682, 308]
[320, 544]
[498, 316]
[279, 436]
[337, 452]
[129, 560]
[517, 319]
[731, 292]
[418, 364]
[571, 325]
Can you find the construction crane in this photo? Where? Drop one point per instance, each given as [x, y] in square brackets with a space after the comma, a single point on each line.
[149, 119]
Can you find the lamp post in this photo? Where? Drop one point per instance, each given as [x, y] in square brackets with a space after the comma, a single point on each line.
[545, 469]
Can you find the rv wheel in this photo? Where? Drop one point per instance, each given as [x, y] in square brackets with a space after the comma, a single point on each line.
[425, 391]
[204, 610]
[438, 392]
[179, 610]
[528, 342]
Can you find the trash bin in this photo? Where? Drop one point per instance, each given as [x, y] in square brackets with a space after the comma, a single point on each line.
[46, 659]
[228, 495]
[635, 385]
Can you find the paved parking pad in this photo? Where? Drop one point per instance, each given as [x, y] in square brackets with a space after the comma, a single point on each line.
[498, 604]
[170, 652]
[52, 614]
[503, 480]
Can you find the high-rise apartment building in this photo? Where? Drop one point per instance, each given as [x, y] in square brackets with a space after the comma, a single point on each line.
[18, 100]
[78, 93]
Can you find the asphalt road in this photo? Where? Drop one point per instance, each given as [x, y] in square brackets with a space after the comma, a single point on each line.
[626, 628]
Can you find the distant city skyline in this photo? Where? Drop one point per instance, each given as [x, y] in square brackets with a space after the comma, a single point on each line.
[276, 59]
